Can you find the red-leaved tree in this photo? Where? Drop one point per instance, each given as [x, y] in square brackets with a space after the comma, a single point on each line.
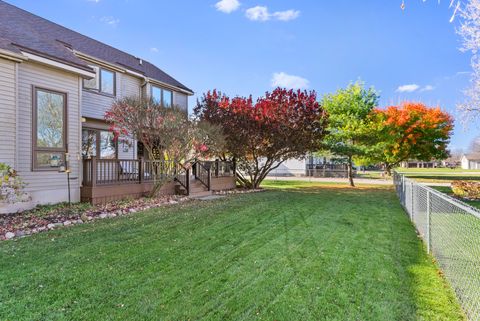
[261, 135]
[167, 134]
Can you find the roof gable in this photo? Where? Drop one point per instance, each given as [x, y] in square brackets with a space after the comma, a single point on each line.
[22, 30]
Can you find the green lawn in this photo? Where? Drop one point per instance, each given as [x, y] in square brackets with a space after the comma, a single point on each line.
[300, 251]
[448, 190]
[440, 175]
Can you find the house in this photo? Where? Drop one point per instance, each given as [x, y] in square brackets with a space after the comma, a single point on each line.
[471, 161]
[419, 164]
[55, 86]
[316, 166]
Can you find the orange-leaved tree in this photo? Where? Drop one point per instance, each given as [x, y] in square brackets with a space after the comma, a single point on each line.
[409, 131]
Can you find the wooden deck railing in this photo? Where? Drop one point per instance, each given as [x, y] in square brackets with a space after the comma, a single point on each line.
[104, 172]
[125, 171]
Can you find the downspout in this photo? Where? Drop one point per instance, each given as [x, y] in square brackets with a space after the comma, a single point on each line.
[17, 119]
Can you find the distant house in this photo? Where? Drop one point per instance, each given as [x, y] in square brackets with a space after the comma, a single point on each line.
[55, 87]
[419, 164]
[471, 161]
[317, 166]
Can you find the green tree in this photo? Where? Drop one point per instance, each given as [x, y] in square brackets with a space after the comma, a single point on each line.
[349, 111]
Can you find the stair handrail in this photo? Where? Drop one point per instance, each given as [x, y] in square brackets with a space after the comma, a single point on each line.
[183, 180]
[203, 173]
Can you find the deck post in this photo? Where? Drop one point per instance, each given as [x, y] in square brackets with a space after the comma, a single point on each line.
[234, 167]
[94, 170]
[140, 170]
[209, 177]
[187, 180]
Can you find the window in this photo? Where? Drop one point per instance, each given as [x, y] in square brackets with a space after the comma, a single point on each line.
[163, 96]
[107, 82]
[156, 94]
[167, 98]
[49, 129]
[98, 142]
[104, 82]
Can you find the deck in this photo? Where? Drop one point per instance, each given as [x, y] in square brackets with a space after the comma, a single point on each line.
[106, 180]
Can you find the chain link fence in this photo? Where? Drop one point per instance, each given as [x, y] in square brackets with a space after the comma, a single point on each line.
[451, 231]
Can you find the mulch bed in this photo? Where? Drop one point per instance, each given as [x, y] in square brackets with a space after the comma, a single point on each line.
[45, 218]
[41, 220]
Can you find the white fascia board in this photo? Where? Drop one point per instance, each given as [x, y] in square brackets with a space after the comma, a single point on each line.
[165, 85]
[56, 64]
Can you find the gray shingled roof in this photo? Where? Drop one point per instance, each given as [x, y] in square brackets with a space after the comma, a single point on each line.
[20, 29]
[473, 156]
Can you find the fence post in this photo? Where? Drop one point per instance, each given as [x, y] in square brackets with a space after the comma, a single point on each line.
[217, 163]
[412, 215]
[140, 170]
[428, 236]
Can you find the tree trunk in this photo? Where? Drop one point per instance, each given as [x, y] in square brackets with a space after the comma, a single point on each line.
[388, 169]
[350, 171]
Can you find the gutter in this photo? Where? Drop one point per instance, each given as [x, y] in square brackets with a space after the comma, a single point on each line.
[12, 56]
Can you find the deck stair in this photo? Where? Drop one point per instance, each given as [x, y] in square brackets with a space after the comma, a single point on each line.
[197, 189]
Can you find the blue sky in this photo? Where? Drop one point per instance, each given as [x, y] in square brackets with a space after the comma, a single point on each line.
[320, 44]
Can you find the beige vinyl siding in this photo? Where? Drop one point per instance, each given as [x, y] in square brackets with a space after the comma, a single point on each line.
[131, 86]
[180, 100]
[29, 75]
[94, 105]
[7, 111]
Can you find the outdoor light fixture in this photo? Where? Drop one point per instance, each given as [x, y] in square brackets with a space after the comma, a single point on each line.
[65, 169]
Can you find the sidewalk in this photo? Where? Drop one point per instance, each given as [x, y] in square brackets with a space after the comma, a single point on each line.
[369, 181]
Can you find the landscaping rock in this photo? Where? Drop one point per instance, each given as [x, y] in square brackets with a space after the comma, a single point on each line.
[9, 235]
[41, 219]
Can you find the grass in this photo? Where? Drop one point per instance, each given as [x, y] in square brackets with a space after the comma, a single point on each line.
[440, 175]
[448, 190]
[300, 251]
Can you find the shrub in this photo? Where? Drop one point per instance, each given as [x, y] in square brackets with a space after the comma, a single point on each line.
[11, 186]
[466, 189]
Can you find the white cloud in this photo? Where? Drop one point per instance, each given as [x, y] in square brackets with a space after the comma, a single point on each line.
[286, 15]
[261, 13]
[96, 1]
[408, 88]
[154, 49]
[109, 20]
[281, 79]
[227, 6]
[428, 88]
[258, 13]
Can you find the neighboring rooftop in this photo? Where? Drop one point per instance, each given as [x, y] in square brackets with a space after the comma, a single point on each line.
[473, 156]
[21, 30]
